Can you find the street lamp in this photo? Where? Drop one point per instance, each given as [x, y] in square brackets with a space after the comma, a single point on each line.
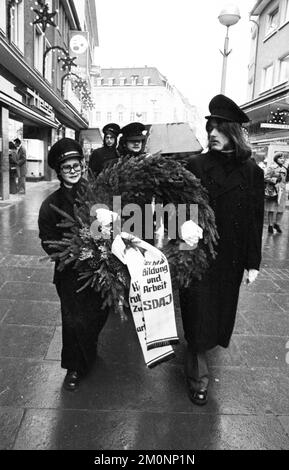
[229, 16]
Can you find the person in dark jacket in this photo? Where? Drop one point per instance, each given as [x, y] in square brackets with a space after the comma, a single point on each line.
[21, 162]
[235, 185]
[82, 316]
[106, 156]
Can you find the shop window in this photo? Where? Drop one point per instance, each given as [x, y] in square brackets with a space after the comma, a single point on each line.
[16, 18]
[283, 69]
[267, 78]
[272, 21]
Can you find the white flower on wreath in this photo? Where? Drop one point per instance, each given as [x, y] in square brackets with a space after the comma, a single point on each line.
[105, 216]
[191, 232]
[85, 253]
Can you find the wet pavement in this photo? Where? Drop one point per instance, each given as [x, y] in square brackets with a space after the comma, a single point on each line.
[121, 404]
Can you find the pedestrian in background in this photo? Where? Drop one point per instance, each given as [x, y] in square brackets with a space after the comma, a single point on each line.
[235, 184]
[107, 155]
[21, 162]
[275, 175]
[82, 316]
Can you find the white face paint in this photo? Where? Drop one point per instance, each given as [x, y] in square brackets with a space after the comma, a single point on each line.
[70, 171]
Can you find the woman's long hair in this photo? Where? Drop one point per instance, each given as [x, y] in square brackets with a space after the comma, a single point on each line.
[234, 132]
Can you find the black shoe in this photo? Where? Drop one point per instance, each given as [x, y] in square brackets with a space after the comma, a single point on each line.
[199, 398]
[270, 229]
[71, 381]
[277, 228]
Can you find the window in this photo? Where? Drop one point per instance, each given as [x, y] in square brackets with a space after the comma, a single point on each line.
[283, 69]
[286, 11]
[17, 24]
[109, 116]
[111, 81]
[273, 21]
[122, 81]
[99, 81]
[97, 116]
[3, 18]
[146, 80]
[38, 49]
[48, 62]
[144, 116]
[132, 116]
[120, 117]
[134, 79]
[267, 78]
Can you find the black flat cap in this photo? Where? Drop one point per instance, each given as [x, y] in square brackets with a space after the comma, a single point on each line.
[134, 131]
[222, 107]
[63, 150]
[111, 128]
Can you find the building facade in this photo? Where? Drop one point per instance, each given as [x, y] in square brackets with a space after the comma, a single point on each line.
[268, 80]
[124, 95]
[46, 50]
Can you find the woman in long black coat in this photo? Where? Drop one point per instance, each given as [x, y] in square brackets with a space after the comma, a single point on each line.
[82, 316]
[236, 190]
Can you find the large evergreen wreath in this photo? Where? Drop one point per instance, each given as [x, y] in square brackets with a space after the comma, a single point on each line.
[137, 180]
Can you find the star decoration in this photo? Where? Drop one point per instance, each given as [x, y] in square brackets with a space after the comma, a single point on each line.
[68, 62]
[44, 17]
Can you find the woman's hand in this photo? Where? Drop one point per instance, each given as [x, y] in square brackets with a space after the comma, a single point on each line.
[251, 276]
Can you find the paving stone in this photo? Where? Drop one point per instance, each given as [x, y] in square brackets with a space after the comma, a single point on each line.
[31, 312]
[43, 275]
[5, 305]
[80, 430]
[266, 323]
[262, 351]
[283, 285]
[256, 302]
[282, 300]
[54, 350]
[10, 419]
[15, 274]
[265, 286]
[284, 420]
[24, 341]
[28, 291]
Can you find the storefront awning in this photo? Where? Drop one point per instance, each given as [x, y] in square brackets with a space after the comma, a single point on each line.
[172, 138]
[26, 112]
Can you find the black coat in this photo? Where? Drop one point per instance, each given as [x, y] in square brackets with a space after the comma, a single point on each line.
[82, 317]
[236, 194]
[104, 157]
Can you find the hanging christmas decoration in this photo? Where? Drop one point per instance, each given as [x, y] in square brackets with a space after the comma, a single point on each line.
[44, 18]
[68, 62]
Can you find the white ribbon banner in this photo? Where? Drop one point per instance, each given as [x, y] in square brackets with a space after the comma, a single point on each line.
[150, 298]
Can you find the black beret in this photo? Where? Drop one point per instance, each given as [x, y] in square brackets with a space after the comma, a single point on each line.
[111, 128]
[134, 131]
[63, 150]
[223, 107]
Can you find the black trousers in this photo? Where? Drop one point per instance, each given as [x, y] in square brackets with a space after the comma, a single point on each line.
[82, 321]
